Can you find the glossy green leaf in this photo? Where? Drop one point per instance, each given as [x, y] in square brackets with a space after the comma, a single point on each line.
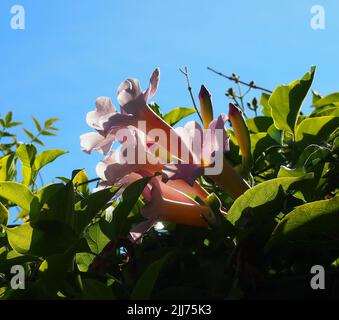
[266, 110]
[311, 228]
[50, 121]
[47, 192]
[128, 200]
[26, 153]
[17, 193]
[315, 130]
[259, 124]
[175, 115]
[37, 124]
[266, 197]
[28, 133]
[89, 207]
[40, 239]
[315, 96]
[286, 102]
[84, 260]
[46, 157]
[331, 99]
[96, 239]
[145, 285]
[7, 167]
[80, 182]
[4, 215]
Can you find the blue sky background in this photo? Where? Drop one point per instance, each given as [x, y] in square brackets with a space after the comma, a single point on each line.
[75, 50]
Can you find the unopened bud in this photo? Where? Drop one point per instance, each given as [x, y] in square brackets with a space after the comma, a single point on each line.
[242, 135]
[206, 106]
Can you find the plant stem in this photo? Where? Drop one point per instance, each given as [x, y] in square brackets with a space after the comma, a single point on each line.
[231, 78]
[186, 74]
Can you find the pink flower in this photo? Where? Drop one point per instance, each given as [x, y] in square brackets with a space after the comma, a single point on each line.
[204, 145]
[133, 108]
[169, 203]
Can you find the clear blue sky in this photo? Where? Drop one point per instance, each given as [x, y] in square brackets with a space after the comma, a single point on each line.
[75, 50]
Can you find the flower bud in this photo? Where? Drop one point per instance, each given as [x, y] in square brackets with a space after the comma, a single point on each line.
[242, 135]
[230, 181]
[206, 106]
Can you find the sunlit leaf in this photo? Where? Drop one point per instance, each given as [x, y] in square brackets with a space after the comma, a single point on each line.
[17, 193]
[286, 102]
[175, 115]
[310, 229]
[46, 157]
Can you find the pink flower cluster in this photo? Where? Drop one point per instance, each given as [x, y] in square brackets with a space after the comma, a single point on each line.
[168, 197]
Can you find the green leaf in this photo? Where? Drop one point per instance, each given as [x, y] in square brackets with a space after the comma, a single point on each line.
[156, 109]
[49, 191]
[47, 133]
[53, 271]
[331, 99]
[315, 96]
[175, 115]
[84, 260]
[7, 167]
[37, 124]
[46, 157]
[96, 290]
[329, 110]
[315, 130]
[259, 124]
[4, 215]
[286, 102]
[26, 153]
[10, 258]
[86, 209]
[312, 159]
[38, 141]
[41, 239]
[49, 122]
[128, 200]
[259, 143]
[28, 133]
[310, 229]
[275, 134]
[264, 198]
[266, 110]
[18, 194]
[14, 124]
[8, 118]
[145, 285]
[96, 239]
[80, 182]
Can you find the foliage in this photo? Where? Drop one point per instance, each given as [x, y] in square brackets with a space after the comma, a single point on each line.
[74, 244]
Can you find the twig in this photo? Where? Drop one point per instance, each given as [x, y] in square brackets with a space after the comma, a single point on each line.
[186, 74]
[88, 182]
[236, 80]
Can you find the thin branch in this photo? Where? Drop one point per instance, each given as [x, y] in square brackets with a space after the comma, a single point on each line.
[88, 182]
[186, 74]
[231, 78]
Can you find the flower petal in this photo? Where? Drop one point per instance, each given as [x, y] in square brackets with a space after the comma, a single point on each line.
[95, 141]
[138, 231]
[103, 110]
[153, 85]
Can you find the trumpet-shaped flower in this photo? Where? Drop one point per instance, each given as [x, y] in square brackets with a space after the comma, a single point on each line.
[133, 109]
[169, 203]
[206, 146]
